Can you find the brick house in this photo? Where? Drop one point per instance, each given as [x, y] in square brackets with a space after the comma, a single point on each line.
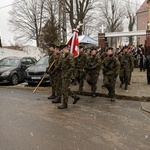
[142, 20]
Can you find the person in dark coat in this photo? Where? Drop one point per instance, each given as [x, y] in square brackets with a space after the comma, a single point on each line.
[147, 66]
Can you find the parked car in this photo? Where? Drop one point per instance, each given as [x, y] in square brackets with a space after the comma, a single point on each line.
[12, 69]
[34, 73]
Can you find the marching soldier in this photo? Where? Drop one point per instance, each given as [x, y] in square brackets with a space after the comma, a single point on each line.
[51, 60]
[67, 69]
[57, 74]
[92, 70]
[80, 63]
[102, 57]
[110, 67]
[127, 65]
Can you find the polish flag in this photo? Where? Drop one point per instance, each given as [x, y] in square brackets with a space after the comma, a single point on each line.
[74, 43]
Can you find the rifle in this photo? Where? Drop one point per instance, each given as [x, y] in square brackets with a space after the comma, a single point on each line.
[43, 76]
[107, 68]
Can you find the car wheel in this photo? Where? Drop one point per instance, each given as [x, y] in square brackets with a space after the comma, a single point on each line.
[14, 79]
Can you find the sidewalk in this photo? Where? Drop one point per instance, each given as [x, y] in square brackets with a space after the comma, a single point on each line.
[139, 90]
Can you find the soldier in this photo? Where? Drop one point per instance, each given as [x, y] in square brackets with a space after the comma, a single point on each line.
[57, 74]
[80, 63]
[51, 60]
[67, 71]
[92, 70]
[110, 67]
[127, 65]
[102, 57]
[131, 67]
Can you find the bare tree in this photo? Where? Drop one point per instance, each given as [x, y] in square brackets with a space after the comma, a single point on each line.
[26, 19]
[77, 11]
[131, 13]
[111, 14]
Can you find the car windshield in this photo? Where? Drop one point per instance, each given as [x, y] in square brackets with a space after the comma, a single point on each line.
[43, 61]
[14, 62]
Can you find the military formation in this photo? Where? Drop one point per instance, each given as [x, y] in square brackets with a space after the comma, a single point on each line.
[86, 68]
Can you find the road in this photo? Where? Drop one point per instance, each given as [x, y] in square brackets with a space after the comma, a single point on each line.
[32, 122]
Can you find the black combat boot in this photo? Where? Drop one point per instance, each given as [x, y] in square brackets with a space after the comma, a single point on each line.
[113, 100]
[57, 100]
[63, 106]
[126, 87]
[80, 90]
[93, 95]
[52, 96]
[76, 98]
[109, 95]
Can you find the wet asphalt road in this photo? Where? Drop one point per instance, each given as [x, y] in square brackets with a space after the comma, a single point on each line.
[31, 122]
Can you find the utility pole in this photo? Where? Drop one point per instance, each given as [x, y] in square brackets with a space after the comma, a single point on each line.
[62, 22]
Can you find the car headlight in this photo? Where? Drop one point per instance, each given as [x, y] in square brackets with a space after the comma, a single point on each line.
[26, 70]
[7, 73]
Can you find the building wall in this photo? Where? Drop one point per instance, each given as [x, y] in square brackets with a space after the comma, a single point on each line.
[142, 20]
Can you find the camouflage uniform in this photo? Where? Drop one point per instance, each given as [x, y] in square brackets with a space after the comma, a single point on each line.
[67, 67]
[92, 72]
[102, 57]
[127, 64]
[80, 63]
[111, 67]
[57, 75]
[52, 77]
[131, 67]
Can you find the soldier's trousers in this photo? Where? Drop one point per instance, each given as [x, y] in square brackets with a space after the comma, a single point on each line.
[92, 79]
[58, 85]
[109, 82]
[80, 75]
[125, 76]
[66, 92]
[52, 82]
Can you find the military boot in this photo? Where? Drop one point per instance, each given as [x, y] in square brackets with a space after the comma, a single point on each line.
[93, 95]
[126, 87]
[80, 90]
[63, 106]
[57, 100]
[76, 98]
[113, 100]
[52, 96]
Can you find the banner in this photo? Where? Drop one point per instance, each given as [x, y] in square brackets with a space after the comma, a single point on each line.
[74, 43]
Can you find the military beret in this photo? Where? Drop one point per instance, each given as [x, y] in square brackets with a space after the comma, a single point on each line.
[64, 46]
[57, 47]
[51, 45]
[110, 48]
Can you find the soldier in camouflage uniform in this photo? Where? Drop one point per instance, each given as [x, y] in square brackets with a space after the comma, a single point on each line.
[92, 70]
[57, 74]
[127, 65]
[80, 63]
[131, 67]
[51, 60]
[110, 67]
[102, 57]
[67, 67]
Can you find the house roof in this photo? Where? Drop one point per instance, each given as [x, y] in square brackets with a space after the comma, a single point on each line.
[144, 7]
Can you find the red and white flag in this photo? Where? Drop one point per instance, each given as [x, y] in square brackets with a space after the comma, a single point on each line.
[74, 43]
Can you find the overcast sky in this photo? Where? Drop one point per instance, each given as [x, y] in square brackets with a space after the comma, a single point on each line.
[6, 35]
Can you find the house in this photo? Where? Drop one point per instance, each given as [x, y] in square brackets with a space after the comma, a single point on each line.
[142, 20]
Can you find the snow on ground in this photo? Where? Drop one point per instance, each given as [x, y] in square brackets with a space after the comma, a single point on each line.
[27, 51]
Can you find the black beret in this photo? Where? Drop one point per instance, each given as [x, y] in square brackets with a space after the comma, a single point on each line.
[58, 47]
[51, 45]
[63, 46]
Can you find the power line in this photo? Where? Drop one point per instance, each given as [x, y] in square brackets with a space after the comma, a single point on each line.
[10, 4]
